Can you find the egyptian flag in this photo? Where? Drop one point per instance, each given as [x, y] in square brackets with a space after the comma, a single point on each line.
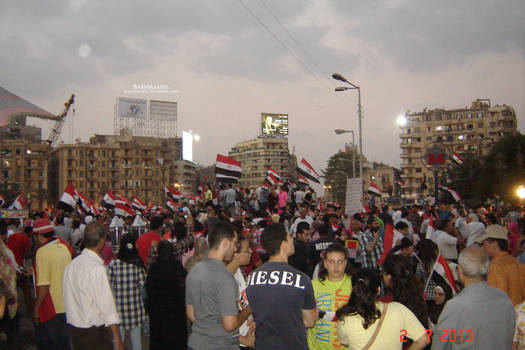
[227, 169]
[451, 191]
[442, 270]
[273, 172]
[172, 205]
[373, 189]
[19, 203]
[400, 182]
[69, 199]
[305, 169]
[137, 204]
[301, 180]
[173, 194]
[430, 227]
[388, 243]
[457, 158]
[108, 201]
[271, 179]
[85, 203]
[366, 209]
[200, 189]
[122, 207]
[2, 201]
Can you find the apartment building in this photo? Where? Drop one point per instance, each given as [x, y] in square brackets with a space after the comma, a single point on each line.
[470, 129]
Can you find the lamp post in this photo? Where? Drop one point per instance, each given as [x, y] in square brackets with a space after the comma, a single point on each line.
[341, 131]
[339, 77]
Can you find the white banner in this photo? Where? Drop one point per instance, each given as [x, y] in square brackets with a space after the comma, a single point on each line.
[354, 196]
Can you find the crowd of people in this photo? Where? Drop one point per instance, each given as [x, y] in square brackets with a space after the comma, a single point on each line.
[272, 268]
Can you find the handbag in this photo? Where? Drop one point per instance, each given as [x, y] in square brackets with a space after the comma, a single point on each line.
[376, 331]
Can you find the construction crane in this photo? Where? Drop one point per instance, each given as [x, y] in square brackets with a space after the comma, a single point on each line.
[60, 120]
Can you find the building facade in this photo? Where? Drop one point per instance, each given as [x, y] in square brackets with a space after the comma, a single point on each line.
[382, 175]
[186, 175]
[24, 169]
[126, 164]
[470, 129]
[257, 155]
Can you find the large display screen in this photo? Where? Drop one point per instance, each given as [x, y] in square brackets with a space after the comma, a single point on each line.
[187, 146]
[132, 108]
[274, 124]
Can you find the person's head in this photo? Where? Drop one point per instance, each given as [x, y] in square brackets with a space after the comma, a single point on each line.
[201, 247]
[95, 236]
[365, 288]
[396, 268]
[277, 241]
[302, 213]
[128, 250]
[334, 263]
[373, 224]
[442, 293]
[472, 218]
[155, 223]
[402, 227]
[473, 265]
[324, 230]
[428, 251]
[222, 239]
[44, 229]
[303, 231]
[494, 241]
[243, 252]
[355, 225]
[441, 224]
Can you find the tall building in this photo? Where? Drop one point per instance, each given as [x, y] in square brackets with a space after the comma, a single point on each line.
[146, 118]
[126, 164]
[258, 154]
[469, 129]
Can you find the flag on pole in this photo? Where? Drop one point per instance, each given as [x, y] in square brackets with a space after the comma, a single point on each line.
[108, 201]
[457, 158]
[271, 179]
[173, 194]
[442, 269]
[400, 182]
[373, 189]
[172, 205]
[123, 207]
[227, 169]
[2, 201]
[273, 172]
[68, 200]
[305, 169]
[301, 180]
[451, 191]
[84, 203]
[19, 203]
[137, 204]
[388, 243]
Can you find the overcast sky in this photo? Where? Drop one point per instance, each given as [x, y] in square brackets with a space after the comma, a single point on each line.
[224, 68]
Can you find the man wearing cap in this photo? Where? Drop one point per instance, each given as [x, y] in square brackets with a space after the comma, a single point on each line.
[505, 271]
[50, 262]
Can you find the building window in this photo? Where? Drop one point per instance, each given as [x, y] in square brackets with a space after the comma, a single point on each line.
[480, 114]
[69, 173]
[469, 115]
[470, 126]
[480, 125]
[70, 152]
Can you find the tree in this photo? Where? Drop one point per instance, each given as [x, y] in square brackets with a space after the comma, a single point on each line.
[497, 174]
[338, 169]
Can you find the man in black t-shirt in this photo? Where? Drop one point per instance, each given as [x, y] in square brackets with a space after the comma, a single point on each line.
[318, 246]
[281, 297]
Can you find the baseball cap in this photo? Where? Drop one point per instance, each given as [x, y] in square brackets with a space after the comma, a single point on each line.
[493, 231]
[43, 226]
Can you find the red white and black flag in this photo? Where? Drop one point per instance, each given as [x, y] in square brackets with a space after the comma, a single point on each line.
[450, 191]
[273, 172]
[441, 270]
[137, 204]
[457, 158]
[108, 201]
[68, 200]
[173, 194]
[19, 203]
[123, 207]
[271, 179]
[2, 201]
[400, 182]
[227, 169]
[305, 169]
[373, 189]
[301, 180]
[172, 205]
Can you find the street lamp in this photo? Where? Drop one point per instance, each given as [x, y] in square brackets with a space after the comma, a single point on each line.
[521, 192]
[341, 131]
[401, 120]
[339, 77]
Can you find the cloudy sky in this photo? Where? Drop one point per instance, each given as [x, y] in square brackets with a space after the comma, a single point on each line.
[224, 68]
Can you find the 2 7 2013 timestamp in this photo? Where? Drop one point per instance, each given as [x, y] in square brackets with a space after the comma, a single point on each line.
[447, 335]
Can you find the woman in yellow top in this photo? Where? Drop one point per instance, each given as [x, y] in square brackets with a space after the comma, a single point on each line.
[357, 321]
[332, 290]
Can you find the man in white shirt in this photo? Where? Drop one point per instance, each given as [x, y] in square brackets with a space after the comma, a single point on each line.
[447, 238]
[90, 307]
[302, 218]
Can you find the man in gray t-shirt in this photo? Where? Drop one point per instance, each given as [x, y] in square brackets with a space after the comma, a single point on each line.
[211, 294]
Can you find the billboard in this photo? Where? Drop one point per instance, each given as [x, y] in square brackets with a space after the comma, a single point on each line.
[163, 110]
[132, 108]
[187, 146]
[274, 124]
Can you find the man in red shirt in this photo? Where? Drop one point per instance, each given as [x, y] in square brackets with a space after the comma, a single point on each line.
[144, 242]
[20, 244]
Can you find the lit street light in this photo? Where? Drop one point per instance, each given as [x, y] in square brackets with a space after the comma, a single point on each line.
[401, 120]
[521, 192]
[339, 77]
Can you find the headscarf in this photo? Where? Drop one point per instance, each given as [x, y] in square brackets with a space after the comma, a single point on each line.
[128, 251]
[8, 275]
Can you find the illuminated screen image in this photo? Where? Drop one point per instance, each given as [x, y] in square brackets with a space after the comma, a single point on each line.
[187, 146]
[274, 124]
